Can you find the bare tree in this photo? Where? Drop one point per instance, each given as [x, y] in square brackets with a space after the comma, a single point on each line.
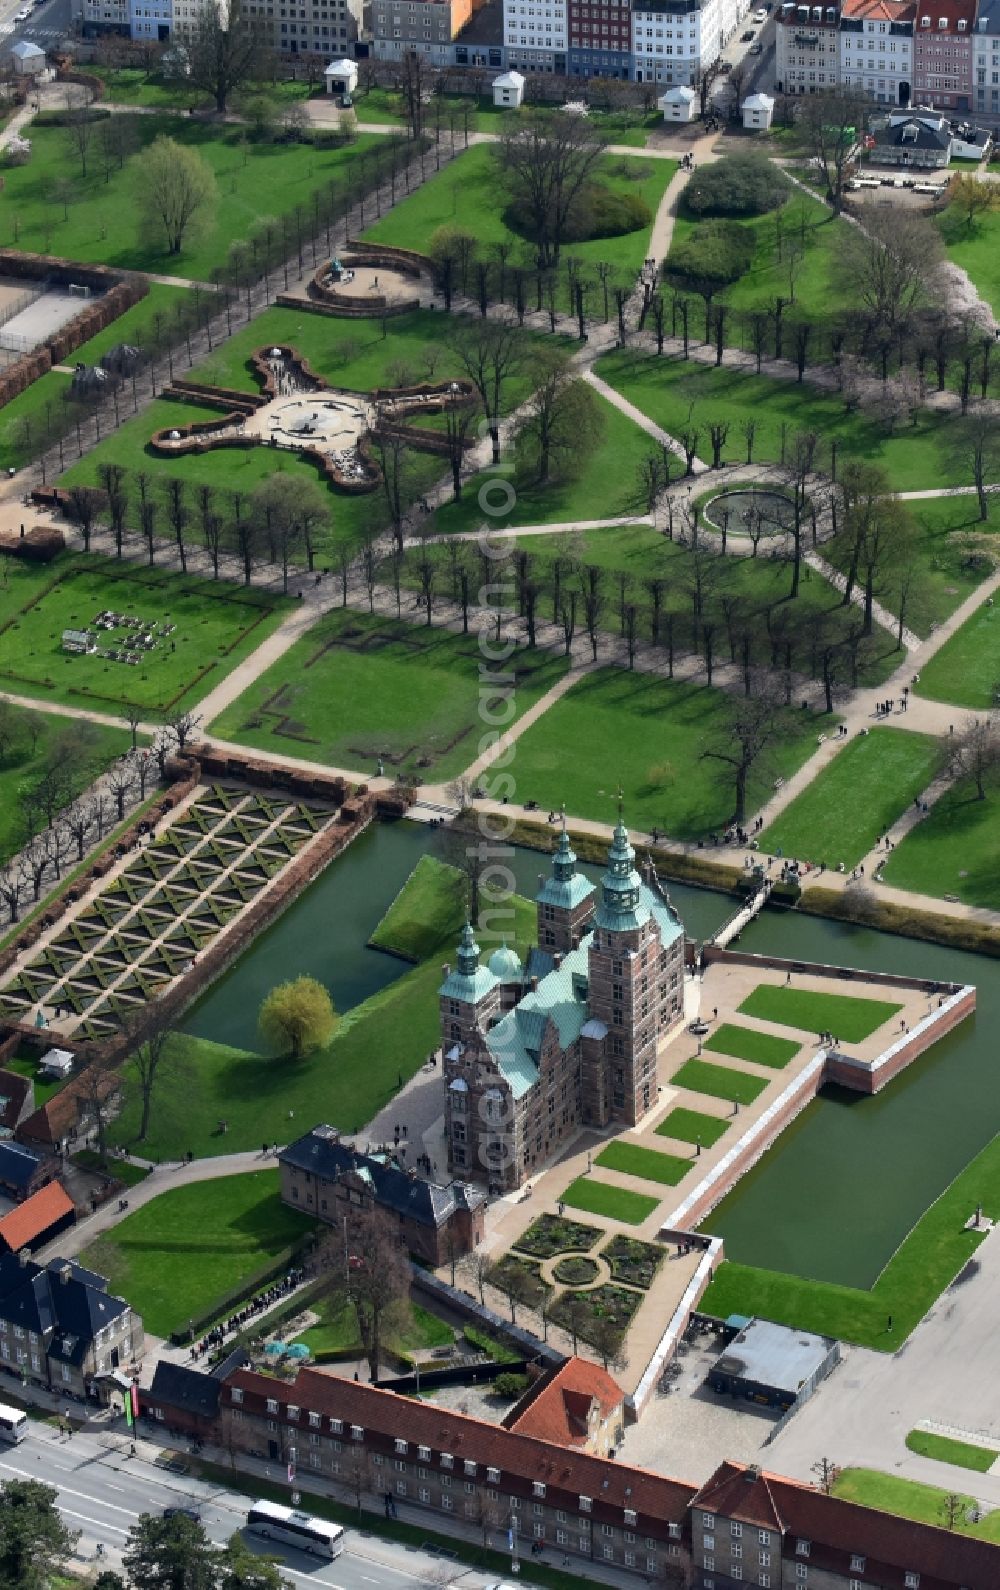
[827, 1474]
[974, 752]
[491, 352]
[976, 448]
[560, 421]
[367, 1265]
[830, 126]
[545, 159]
[224, 48]
[754, 726]
[153, 1052]
[892, 264]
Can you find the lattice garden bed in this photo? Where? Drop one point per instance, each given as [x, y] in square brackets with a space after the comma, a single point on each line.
[551, 1234]
[632, 1261]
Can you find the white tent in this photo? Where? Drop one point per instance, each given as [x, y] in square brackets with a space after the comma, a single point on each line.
[508, 90]
[341, 76]
[678, 104]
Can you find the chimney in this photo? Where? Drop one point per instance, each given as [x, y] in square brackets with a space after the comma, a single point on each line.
[557, 959]
[24, 1258]
[65, 1273]
[446, 970]
[534, 984]
[541, 880]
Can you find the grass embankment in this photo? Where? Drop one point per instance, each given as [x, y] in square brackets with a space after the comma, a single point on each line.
[945, 1449]
[427, 910]
[925, 1504]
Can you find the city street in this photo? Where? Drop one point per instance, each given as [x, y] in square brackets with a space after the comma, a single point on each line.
[102, 1490]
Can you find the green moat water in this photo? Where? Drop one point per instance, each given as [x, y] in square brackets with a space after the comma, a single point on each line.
[836, 1195]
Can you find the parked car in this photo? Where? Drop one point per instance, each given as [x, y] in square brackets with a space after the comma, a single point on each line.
[726, 66]
[756, 49]
[183, 1512]
[759, 16]
[747, 36]
[23, 14]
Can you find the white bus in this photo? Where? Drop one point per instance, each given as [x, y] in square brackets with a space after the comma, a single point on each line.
[275, 1522]
[13, 1424]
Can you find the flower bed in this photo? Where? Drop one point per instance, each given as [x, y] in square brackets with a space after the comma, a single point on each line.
[576, 1270]
[632, 1261]
[550, 1234]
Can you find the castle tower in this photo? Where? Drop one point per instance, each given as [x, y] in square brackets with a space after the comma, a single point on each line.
[565, 901]
[469, 997]
[624, 967]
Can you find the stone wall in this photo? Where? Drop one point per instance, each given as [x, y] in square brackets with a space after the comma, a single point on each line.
[871, 1076]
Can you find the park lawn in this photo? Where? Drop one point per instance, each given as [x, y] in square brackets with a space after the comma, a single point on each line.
[701, 1076]
[468, 193]
[336, 1330]
[645, 734]
[944, 1449]
[966, 671]
[925, 1504]
[820, 293]
[614, 1203]
[217, 626]
[377, 1046]
[842, 1014]
[927, 1261]
[633, 1160]
[916, 457]
[38, 736]
[602, 484]
[763, 1048]
[254, 180]
[163, 308]
[26, 1066]
[132, 85]
[954, 850]
[192, 1245]
[358, 688]
[951, 553]
[692, 1126]
[236, 469]
[428, 910]
[855, 798]
[975, 249]
[41, 411]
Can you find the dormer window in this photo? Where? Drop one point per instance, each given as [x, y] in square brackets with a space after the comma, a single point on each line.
[447, 1461]
[292, 1413]
[961, 24]
[857, 1563]
[315, 1421]
[585, 1504]
[802, 1548]
[357, 1432]
[912, 1581]
[925, 22]
[272, 1405]
[630, 1516]
[942, 22]
[493, 1476]
[336, 1426]
[424, 1454]
[400, 1446]
[237, 1395]
[470, 1468]
[537, 1488]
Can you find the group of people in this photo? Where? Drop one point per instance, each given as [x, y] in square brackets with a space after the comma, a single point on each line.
[257, 1305]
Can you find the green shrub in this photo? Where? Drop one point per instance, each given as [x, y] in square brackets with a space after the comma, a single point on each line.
[713, 257]
[599, 211]
[736, 185]
[510, 1385]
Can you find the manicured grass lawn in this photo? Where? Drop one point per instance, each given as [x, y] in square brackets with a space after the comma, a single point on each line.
[254, 180]
[819, 292]
[614, 1203]
[648, 735]
[193, 1244]
[926, 1504]
[936, 1250]
[468, 192]
[385, 1038]
[669, 391]
[357, 688]
[44, 1088]
[37, 741]
[763, 1048]
[216, 627]
[975, 249]
[131, 85]
[336, 1331]
[429, 908]
[691, 1126]
[856, 798]
[955, 849]
[848, 1018]
[633, 1160]
[701, 1076]
[966, 671]
[943, 1449]
[604, 484]
[38, 413]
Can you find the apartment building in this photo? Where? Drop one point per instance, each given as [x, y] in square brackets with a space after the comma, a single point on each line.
[536, 35]
[600, 38]
[876, 48]
[806, 48]
[675, 41]
[942, 54]
[424, 27]
[751, 1528]
[986, 58]
[423, 1455]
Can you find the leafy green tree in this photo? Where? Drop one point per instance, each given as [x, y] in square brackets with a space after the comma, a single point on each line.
[709, 259]
[169, 1554]
[109, 1581]
[34, 1541]
[298, 1015]
[737, 185]
[238, 1568]
[175, 191]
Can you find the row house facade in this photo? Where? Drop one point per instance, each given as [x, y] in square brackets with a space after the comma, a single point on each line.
[942, 54]
[806, 48]
[941, 57]
[986, 59]
[645, 41]
[61, 1329]
[494, 1480]
[422, 27]
[876, 48]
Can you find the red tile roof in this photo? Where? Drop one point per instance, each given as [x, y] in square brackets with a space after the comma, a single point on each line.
[952, 11]
[836, 1530]
[60, 1114]
[523, 1460]
[561, 1410]
[30, 1220]
[880, 10]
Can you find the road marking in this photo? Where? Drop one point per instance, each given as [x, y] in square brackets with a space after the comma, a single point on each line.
[65, 1490]
[98, 1523]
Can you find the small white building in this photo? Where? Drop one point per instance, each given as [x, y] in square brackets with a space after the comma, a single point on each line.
[341, 77]
[56, 1062]
[678, 104]
[758, 112]
[27, 59]
[508, 90]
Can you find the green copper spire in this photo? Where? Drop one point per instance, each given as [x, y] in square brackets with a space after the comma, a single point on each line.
[564, 859]
[620, 883]
[468, 952]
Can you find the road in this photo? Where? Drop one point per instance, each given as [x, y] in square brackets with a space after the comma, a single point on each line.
[101, 1490]
[46, 27]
